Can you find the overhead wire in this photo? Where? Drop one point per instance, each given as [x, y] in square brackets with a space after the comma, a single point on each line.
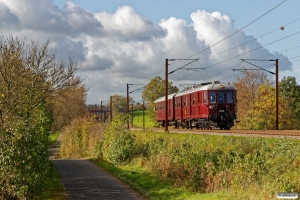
[245, 53]
[250, 40]
[235, 31]
[242, 43]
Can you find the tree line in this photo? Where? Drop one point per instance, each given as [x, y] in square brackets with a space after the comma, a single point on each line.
[256, 102]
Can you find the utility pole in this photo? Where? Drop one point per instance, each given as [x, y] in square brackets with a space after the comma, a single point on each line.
[101, 112]
[166, 95]
[127, 104]
[110, 109]
[143, 115]
[276, 64]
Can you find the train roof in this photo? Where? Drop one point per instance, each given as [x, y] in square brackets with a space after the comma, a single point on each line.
[215, 85]
[160, 99]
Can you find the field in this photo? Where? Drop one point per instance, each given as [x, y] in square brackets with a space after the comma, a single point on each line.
[138, 119]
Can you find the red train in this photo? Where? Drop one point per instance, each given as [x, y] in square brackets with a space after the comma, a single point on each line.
[204, 106]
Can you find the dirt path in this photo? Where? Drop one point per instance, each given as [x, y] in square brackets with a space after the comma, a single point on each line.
[84, 180]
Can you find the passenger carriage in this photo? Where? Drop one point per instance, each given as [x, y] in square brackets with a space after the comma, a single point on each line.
[205, 106]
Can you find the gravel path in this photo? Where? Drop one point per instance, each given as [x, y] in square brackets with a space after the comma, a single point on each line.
[84, 180]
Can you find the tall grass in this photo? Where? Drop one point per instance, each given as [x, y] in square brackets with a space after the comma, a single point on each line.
[80, 138]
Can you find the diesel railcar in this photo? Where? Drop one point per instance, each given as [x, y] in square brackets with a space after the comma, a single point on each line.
[205, 106]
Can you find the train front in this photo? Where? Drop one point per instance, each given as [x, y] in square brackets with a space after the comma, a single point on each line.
[222, 105]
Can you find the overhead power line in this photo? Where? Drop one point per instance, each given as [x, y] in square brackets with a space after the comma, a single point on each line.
[237, 30]
[244, 53]
[251, 40]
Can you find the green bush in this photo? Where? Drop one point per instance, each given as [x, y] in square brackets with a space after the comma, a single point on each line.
[118, 144]
[24, 163]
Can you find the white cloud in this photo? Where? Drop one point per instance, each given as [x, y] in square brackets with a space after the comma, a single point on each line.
[126, 47]
[126, 24]
[43, 15]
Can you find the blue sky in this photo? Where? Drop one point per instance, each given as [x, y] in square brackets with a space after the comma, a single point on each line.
[120, 42]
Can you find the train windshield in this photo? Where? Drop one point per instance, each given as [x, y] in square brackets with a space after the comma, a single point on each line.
[212, 97]
[229, 97]
[221, 97]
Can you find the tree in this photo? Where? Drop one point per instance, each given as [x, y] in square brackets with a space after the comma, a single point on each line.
[264, 110]
[155, 89]
[290, 93]
[247, 93]
[119, 103]
[66, 105]
[29, 75]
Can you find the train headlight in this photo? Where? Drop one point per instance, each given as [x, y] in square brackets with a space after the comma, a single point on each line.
[221, 86]
[211, 107]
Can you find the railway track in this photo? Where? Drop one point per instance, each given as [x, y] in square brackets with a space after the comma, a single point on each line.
[288, 134]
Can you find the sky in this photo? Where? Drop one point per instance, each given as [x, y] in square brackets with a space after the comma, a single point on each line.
[127, 42]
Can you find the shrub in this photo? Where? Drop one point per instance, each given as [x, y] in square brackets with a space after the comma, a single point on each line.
[24, 163]
[118, 144]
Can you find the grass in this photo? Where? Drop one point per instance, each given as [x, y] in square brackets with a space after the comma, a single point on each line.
[53, 189]
[153, 187]
[53, 137]
[138, 119]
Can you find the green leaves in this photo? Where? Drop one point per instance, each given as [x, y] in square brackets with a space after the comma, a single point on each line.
[154, 90]
[23, 156]
[118, 144]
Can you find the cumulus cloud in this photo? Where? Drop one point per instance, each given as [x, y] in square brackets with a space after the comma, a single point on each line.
[126, 24]
[43, 15]
[126, 47]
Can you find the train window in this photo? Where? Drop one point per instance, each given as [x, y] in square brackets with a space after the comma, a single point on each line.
[229, 97]
[186, 100]
[204, 97]
[198, 97]
[212, 97]
[221, 97]
[194, 99]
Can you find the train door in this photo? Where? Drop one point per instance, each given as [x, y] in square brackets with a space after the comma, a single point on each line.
[191, 104]
[198, 105]
[181, 108]
[202, 108]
